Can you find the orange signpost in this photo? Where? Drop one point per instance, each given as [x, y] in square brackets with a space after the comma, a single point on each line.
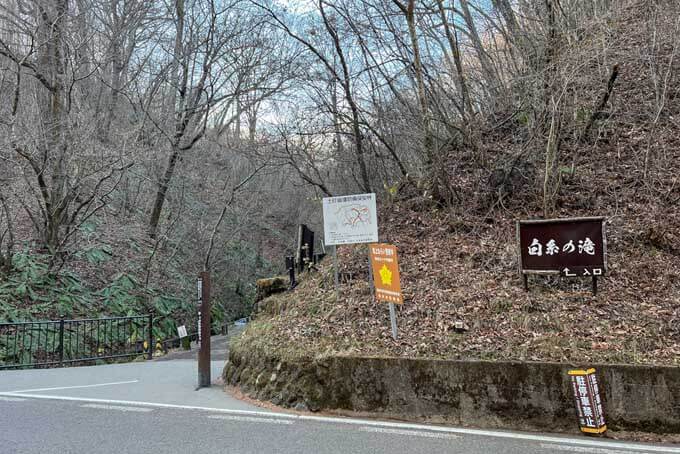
[385, 267]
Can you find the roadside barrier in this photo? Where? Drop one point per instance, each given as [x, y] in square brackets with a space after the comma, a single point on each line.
[54, 343]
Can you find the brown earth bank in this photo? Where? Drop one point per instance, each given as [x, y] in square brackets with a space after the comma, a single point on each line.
[459, 264]
[450, 276]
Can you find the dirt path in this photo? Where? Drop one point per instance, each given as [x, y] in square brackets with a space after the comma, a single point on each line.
[219, 348]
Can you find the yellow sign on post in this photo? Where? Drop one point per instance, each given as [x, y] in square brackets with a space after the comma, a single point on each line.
[385, 268]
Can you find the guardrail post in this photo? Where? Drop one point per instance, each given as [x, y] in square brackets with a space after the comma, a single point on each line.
[150, 354]
[61, 340]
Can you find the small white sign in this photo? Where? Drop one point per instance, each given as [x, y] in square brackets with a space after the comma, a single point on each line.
[199, 288]
[182, 331]
[350, 219]
[199, 329]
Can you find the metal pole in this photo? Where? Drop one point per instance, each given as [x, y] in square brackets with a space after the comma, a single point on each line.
[204, 353]
[335, 272]
[370, 272]
[393, 319]
[150, 354]
[61, 340]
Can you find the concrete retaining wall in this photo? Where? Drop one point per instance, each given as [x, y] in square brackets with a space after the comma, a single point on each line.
[516, 395]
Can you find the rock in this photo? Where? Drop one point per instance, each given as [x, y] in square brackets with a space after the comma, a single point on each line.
[460, 327]
[270, 286]
[266, 288]
[301, 406]
[313, 406]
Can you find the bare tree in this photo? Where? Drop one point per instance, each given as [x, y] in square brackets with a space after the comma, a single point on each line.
[342, 75]
[67, 182]
[207, 70]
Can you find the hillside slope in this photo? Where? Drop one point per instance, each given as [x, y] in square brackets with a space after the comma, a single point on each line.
[462, 266]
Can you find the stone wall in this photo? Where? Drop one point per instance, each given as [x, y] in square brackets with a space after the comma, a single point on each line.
[519, 395]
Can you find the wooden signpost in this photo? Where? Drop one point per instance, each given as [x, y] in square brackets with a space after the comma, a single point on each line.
[204, 328]
[385, 271]
[572, 247]
[304, 252]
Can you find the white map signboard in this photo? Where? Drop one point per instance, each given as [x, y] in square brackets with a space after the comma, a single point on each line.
[350, 219]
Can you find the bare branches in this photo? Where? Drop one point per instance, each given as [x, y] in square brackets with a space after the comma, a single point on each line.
[6, 234]
[602, 103]
[233, 192]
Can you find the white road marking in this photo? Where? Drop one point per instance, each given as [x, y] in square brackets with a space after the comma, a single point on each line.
[554, 447]
[96, 385]
[409, 433]
[11, 399]
[251, 419]
[634, 447]
[117, 408]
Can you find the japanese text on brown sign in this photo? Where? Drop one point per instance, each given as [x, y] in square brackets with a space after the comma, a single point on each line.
[385, 268]
[572, 247]
[588, 402]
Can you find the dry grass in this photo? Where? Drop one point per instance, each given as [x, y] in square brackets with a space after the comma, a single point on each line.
[462, 265]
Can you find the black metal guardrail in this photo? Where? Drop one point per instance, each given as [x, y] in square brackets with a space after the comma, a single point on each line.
[63, 342]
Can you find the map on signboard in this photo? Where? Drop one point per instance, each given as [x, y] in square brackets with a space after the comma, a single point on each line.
[350, 219]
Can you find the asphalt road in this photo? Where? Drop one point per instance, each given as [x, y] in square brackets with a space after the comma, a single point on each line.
[219, 347]
[53, 426]
[154, 407]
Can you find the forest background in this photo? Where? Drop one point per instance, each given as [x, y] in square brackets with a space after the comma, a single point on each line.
[144, 141]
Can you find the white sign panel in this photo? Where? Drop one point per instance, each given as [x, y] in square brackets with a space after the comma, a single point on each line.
[182, 331]
[350, 219]
[199, 289]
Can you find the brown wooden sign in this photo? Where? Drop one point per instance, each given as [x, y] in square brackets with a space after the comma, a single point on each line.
[385, 268]
[571, 247]
[588, 401]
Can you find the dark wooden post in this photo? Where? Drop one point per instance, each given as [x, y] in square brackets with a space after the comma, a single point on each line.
[290, 265]
[61, 340]
[204, 349]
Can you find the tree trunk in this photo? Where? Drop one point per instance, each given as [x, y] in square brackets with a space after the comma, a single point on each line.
[339, 146]
[346, 85]
[552, 178]
[162, 192]
[452, 38]
[487, 66]
[504, 7]
[178, 87]
[55, 146]
[409, 13]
